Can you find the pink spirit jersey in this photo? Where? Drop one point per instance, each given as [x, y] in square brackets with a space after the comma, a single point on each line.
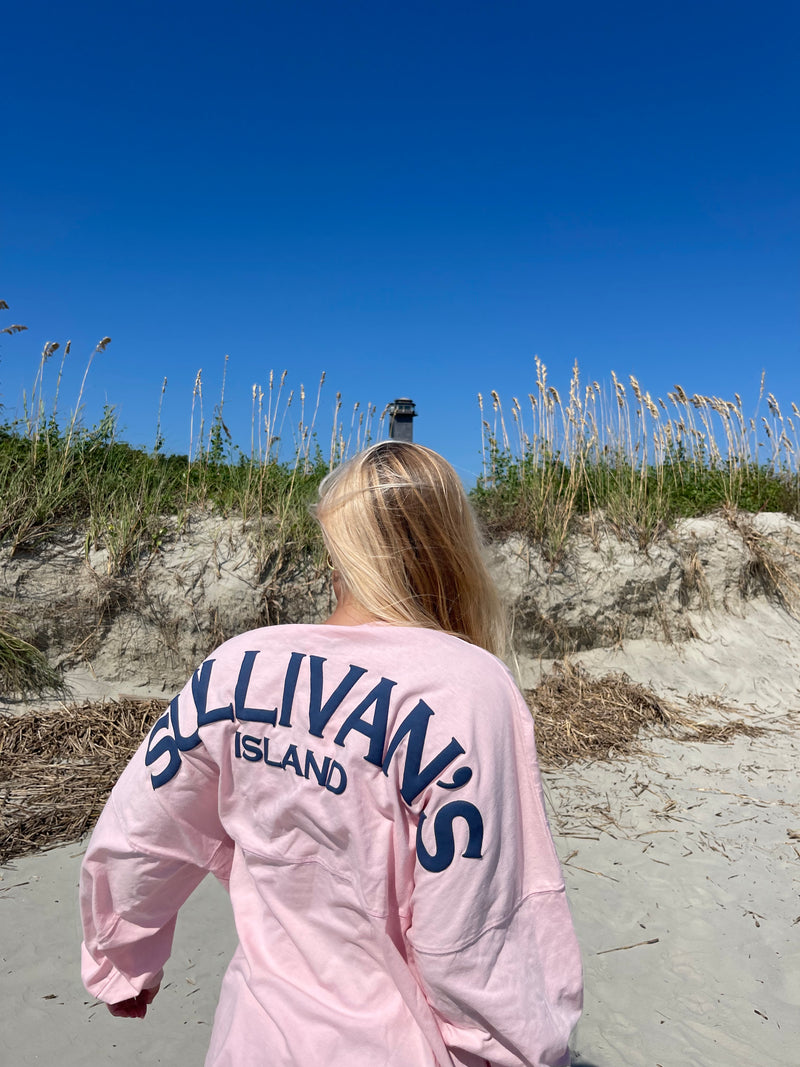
[370, 796]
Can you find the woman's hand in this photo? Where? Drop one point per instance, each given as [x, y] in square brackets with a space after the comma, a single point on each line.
[134, 1007]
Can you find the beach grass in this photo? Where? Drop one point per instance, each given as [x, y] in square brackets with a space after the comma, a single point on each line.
[629, 461]
[57, 473]
[618, 458]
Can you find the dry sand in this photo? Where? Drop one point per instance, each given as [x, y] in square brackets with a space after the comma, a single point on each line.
[682, 866]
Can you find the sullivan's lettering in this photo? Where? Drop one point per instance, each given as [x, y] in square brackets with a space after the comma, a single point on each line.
[362, 724]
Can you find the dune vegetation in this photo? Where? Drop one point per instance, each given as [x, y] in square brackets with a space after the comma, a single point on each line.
[614, 456]
[629, 460]
[59, 472]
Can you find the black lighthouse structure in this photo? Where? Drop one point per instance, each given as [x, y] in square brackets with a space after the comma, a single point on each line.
[401, 413]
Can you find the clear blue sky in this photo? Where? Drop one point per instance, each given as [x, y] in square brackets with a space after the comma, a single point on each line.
[414, 197]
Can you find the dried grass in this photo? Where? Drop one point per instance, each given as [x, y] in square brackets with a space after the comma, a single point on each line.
[720, 732]
[764, 569]
[579, 717]
[58, 767]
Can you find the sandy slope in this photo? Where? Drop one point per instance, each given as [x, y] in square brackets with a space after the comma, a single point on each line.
[693, 844]
[688, 844]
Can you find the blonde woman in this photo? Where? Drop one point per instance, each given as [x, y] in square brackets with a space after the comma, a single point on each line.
[368, 791]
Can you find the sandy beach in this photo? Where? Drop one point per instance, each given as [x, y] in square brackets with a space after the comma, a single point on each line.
[682, 864]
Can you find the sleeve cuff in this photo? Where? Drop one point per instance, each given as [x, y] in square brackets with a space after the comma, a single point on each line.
[104, 982]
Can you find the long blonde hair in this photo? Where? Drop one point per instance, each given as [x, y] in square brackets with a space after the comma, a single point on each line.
[400, 532]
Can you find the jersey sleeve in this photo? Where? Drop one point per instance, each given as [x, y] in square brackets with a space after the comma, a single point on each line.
[491, 934]
[151, 847]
